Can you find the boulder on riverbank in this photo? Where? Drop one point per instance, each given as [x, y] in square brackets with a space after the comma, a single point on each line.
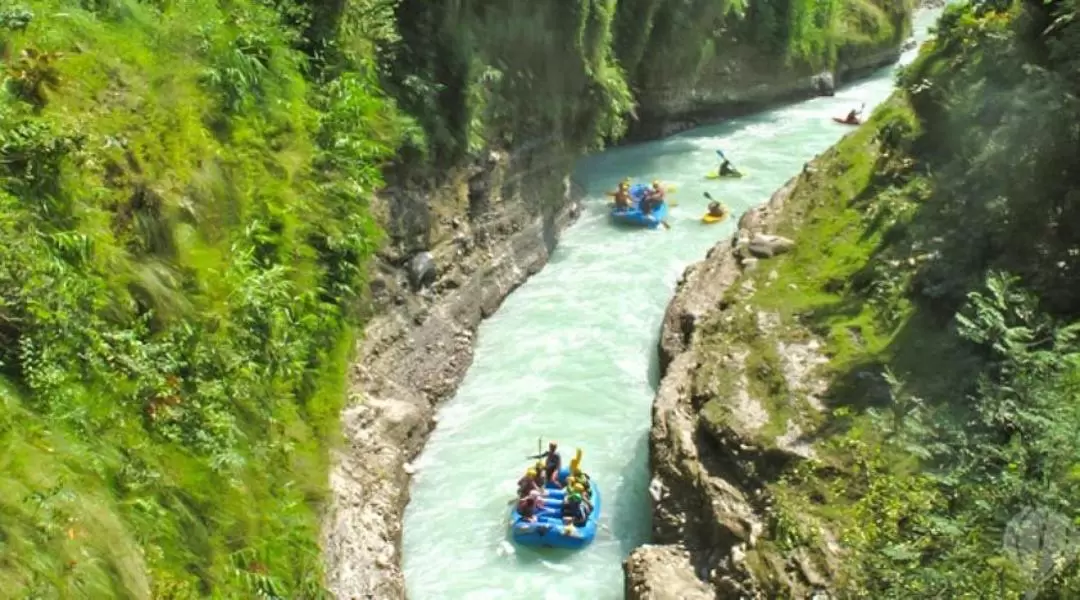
[662, 573]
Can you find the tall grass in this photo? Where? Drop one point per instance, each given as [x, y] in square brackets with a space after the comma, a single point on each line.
[183, 231]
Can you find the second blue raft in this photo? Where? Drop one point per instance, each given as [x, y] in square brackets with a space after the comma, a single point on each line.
[634, 216]
[547, 530]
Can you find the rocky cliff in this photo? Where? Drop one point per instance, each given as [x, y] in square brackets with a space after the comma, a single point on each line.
[695, 63]
[455, 253]
[717, 437]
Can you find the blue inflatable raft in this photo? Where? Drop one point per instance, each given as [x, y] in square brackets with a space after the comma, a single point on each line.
[634, 216]
[547, 530]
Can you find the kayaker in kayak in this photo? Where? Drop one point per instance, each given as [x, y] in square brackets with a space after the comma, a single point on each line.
[852, 117]
[727, 170]
[717, 210]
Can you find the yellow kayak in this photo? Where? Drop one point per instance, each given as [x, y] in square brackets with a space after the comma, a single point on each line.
[715, 175]
[710, 219]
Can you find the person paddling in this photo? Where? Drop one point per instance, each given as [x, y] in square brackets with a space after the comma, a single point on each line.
[726, 168]
[853, 116]
[622, 196]
[654, 197]
[552, 462]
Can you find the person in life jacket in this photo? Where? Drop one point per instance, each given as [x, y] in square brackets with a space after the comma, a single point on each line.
[622, 196]
[653, 198]
[552, 463]
[528, 483]
[530, 505]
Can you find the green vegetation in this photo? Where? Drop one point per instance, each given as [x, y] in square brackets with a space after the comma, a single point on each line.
[182, 238]
[937, 258]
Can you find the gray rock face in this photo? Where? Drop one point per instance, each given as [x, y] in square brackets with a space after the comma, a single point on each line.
[422, 270]
[415, 352]
[824, 84]
[767, 246]
[708, 512]
[662, 573]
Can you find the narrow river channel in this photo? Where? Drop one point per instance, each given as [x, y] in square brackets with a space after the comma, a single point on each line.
[571, 357]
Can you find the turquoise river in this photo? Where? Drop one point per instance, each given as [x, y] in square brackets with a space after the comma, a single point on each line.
[571, 356]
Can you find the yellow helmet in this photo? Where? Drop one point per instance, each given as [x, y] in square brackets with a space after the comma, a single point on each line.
[656, 183]
[531, 472]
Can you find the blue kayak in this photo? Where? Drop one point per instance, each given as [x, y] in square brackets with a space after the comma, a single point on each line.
[547, 530]
[634, 216]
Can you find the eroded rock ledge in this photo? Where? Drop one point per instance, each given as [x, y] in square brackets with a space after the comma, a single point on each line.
[483, 235]
[710, 457]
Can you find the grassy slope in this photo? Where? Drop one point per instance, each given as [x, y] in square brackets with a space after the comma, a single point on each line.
[178, 247]
[951, 388]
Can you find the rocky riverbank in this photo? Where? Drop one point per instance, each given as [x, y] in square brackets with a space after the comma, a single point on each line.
[706, 500]
[478, 238]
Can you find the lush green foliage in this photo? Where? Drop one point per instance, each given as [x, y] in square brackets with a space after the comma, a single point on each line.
[950, 269]
[182, 235]
[512, 73]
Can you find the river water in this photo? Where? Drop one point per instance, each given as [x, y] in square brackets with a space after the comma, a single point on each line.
[571, 356]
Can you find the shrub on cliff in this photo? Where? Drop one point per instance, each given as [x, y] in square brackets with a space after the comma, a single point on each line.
[183, 231]
[988, 415]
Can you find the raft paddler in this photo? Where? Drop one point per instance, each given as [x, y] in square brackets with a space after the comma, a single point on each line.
[552, 462]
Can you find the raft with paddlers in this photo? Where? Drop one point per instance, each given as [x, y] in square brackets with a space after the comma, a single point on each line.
[553, 514]
[634, 215]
